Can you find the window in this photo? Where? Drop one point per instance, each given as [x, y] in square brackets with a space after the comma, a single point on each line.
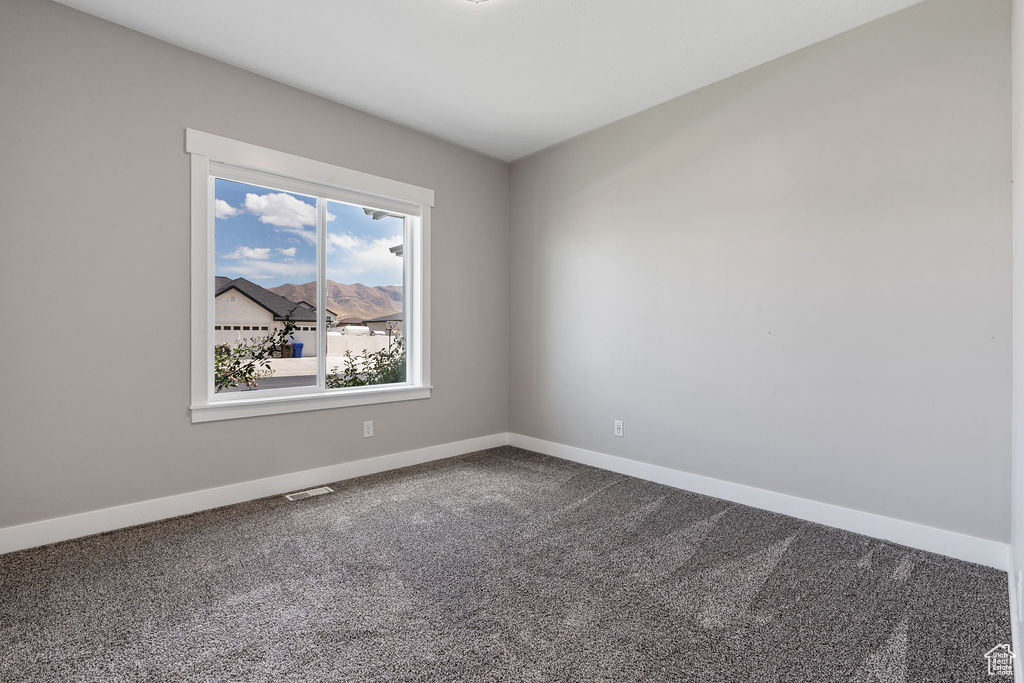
[282, 246]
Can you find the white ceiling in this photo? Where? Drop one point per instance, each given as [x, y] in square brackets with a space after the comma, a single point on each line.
[504, 77]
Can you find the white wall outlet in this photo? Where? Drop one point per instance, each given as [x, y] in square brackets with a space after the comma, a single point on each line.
[618, 428]
[367, 429]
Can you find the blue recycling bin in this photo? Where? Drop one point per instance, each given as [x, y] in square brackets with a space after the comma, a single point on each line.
[296, 349]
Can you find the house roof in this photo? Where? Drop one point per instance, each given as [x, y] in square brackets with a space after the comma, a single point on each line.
[386, 318]
[278, 306]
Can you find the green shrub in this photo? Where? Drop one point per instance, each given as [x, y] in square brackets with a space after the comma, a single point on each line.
[248, 361]
[386, 366]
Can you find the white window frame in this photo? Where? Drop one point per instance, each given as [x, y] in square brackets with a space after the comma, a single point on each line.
[213, 155]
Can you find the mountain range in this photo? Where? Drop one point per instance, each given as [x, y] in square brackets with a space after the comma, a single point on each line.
[349, 302]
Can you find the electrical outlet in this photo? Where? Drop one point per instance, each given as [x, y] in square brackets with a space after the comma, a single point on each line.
[618, 428]
[368, 429]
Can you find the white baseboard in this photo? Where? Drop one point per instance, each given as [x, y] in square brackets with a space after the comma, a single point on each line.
[1018, 652]
[97, 521]
[950, 543]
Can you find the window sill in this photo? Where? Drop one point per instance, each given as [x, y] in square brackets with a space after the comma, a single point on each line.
[296, 403]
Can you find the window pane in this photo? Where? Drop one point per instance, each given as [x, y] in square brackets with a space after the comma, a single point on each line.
[265, 256]
[365, 285]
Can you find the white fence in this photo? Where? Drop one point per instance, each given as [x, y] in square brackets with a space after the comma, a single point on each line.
[337, 343]
[232, 337]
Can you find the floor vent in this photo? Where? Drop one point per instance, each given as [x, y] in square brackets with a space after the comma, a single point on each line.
[310, 493]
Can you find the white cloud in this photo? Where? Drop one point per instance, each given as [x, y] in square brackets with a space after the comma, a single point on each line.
[345, 241]
[280, 209]
[256, 253]
[352, 259]
[308, 234]
[221, 209]
[278, 271]
[289, 252]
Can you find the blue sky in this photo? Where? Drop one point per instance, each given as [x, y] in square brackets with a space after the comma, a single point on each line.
[269, 236]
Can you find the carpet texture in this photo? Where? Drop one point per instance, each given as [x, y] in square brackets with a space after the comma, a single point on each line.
[500, 565]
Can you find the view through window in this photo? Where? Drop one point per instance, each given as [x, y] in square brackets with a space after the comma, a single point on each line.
[267, 331]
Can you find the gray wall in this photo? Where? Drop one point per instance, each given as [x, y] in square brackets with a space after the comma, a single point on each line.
[797, 278]
[94, 213]
[1017, 495]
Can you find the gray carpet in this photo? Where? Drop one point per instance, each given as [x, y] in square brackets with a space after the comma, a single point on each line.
[500, 565]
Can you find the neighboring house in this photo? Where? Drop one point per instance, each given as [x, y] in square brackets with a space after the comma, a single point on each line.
[244, 310]
[331, 316]
[377, 214]
[385, 323]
